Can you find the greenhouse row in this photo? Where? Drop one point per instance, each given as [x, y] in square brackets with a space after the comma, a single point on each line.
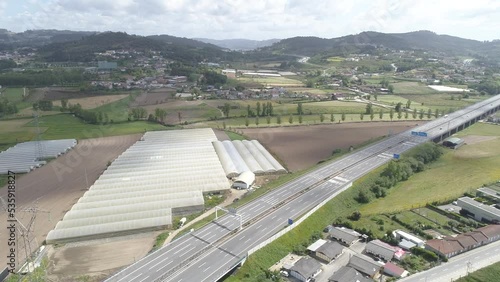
[239, 156]
[162, 175]
[24, 157]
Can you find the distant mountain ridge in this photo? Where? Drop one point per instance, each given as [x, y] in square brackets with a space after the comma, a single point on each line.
[239, 44]
[40, 37]
[368, 41]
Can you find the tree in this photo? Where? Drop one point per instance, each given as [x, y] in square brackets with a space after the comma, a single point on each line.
[257, 120]
[268, 120]
[247, 122]
[400, 115]
[384, 83]
[361, 116]
[408, 104]
[363, 197]
[429, 113]
[343, 116]
[436, 113]
[381, 114]
[225, 109]
[64, 104]
[421, 114]
[321, 117]
[300, 111]
[398, 107]
[375, 96]
[278, 119]
[332, 118]
[290, 119]
[249, 111]
[258, 108]
[224, 124]
[406, 114]
[160, 114]
[179, 116]
[391, 114]
[300, 119]
[369, 108]
[372, 116]
[390, 88]
[269, 108]
[414, 113]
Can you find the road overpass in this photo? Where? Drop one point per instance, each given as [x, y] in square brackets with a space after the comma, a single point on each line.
[211, 252]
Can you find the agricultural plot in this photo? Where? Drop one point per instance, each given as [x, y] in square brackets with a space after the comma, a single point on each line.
[272, 81]
[93, 102]
[393, 100]
[443, 102]
[410, 87]
[64, 126]
[311, 144]
[190, 111]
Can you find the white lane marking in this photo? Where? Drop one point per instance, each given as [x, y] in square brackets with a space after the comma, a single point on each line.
[182, 249]
[157, 265]
[202, 264]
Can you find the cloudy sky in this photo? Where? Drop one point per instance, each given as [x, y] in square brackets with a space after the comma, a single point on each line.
[256, 19]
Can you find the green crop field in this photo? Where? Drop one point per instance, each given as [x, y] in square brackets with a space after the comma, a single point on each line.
[271, 81]
[66, 126]
[482, 129]
[392, 100]
[15, 95]
[117, 111]
[442, 102]
[456, 172]
[409, 87]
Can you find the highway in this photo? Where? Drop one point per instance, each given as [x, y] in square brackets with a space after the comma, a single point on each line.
[210, 252]
[460, 265]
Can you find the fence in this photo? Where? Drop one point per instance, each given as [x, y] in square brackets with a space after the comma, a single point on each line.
[296, 223]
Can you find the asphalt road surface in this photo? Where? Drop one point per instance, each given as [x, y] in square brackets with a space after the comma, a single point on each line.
[460, 265]
[210, 252]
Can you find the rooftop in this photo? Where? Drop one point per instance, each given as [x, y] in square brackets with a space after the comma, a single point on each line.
[471, 202]
[348, 274]
[331, 249]
[364, 264]
[306, 266]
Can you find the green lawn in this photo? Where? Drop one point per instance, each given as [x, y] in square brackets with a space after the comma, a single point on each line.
[117, 111]
[409, 87]
[487, 274]
[392, 100]
[15, 95]
[66, 126]
[271, 81]
[456, 172]
[235, 136]
[483, 129]
[442, 101]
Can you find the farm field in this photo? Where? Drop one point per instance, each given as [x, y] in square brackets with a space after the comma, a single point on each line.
[63, 126]
[56, 186]
[272, 81]
[191, 111]
[410, 87]
[392, 100]
[442, 101]
[93, 102]
[456, 172]
[311, 144]
[153, 97]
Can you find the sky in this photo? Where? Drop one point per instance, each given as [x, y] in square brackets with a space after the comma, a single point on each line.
[256, 19]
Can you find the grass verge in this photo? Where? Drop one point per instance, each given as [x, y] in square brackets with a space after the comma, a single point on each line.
[490, 273]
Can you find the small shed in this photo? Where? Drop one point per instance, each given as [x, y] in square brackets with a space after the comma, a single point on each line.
[395, 271]
[245, 180]
[453, 142]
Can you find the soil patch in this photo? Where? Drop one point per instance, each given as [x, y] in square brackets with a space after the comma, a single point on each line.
[300, 147]
[93, 102]
[221, 135]
[54, 188]
[153, 97]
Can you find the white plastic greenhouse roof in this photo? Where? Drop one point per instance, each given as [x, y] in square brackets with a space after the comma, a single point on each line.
[24, 157]
[240, 156]
[145, 185]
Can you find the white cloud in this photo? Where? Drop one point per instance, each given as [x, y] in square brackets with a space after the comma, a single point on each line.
[257, 19]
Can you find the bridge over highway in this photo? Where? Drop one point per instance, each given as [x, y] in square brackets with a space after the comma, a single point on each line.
[211, 252]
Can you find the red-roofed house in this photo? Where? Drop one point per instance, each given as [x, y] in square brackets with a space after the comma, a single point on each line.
[395, 271]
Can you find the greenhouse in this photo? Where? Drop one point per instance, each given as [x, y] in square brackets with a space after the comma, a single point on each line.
[24, 157]
[237, 157]
[163, 175]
